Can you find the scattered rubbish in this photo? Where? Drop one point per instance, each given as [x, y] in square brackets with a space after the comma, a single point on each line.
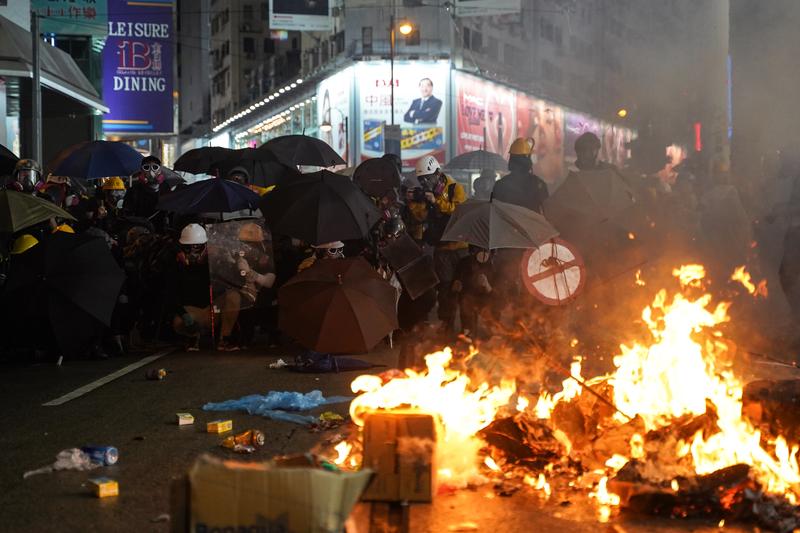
[315, 362]
[219, 426]
[280, 363]
[184, 419]
[104, 455]
[233, 495]
[327, 421]
[463, 526]
[163, 517]
[70, 459]
[330, 416]
[155, 374]
[246, 442]
[104, 487]
[60, 360]
[275, 404]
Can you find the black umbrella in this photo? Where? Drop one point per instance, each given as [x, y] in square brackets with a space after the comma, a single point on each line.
[263, 166]
[8, 160]
[201, 160]
[377, 177]
[320, 207]
[296, 150]
[478, 160]
[71, 281]
[215, 195]
[99, 159]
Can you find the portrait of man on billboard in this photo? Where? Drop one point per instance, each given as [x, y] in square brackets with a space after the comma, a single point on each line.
[425, 109]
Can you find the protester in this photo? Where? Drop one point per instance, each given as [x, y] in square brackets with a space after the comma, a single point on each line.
[142, 198]
[442, 195]
[27, 173]
[587, 151]
[113, 192]
[328, 250]
[473, 283]
[239, 175]
[483, 185]
[521, 186]
[189, 282]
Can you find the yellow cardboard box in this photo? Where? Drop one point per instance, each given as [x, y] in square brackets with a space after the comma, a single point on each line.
[104, 487]
[219, 426]
[234, 495]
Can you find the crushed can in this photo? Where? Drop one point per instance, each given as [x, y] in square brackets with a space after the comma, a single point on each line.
[252, 438]
[104, 487]
[104, 455]
[156, 374]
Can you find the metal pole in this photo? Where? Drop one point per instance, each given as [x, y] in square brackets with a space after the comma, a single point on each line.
[36, 92]
[347, 140]
[391, 63]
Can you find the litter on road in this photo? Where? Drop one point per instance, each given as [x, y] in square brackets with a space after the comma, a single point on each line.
[275, 404]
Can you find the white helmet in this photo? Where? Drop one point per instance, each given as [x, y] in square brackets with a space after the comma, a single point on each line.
[193, 234]
[427, 165]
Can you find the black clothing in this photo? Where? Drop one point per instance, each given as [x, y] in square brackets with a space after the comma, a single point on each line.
[524, 189]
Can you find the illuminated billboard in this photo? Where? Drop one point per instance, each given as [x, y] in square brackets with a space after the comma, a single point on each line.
[333, 105]
[300, 15]
[420, 108]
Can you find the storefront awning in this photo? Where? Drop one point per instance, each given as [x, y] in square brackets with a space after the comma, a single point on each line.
[59, 71]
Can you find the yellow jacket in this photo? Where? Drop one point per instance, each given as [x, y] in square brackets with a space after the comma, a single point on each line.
[452, 195]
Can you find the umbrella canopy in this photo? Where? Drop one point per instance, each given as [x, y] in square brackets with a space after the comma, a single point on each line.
[72, 280]
[296, 150]
[262, 165]
[320, 207]
[99, 159]
[19, 211]
[338, 306]
[478, 160]
[201, 160]
[171, 177]
[377, 176]
[215, 195]
[589, 197]
[60, 156]
[8, 160]
[493, 224]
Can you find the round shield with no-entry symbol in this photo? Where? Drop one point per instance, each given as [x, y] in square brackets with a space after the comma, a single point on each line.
[554, 273]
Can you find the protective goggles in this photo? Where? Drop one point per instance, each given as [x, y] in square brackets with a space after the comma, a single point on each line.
[148, 167]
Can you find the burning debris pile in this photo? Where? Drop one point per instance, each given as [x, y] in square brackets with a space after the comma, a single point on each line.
[663, 434]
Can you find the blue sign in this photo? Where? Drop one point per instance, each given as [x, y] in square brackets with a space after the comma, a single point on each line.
[137, 67]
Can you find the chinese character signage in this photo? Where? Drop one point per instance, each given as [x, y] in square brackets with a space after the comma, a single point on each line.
[137, 67]
[420, 108]
[72, 17]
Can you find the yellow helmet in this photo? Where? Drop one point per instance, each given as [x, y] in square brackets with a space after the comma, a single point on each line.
[23, 244]
[251, 233]
[65, 228]
[114, 184]
[522, 146]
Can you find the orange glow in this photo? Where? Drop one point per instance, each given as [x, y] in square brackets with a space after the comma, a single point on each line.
[743, 276]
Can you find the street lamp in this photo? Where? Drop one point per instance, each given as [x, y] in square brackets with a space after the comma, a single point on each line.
[327, 127]
[405, 27]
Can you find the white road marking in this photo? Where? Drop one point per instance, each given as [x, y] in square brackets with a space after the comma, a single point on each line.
[77, 393]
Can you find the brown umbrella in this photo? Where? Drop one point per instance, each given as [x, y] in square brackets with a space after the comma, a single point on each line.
[338, 306]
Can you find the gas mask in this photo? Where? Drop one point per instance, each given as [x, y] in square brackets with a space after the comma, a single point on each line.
[27, 179]
[334, 253]
[114, 197]
[193, 254]
[151, 172]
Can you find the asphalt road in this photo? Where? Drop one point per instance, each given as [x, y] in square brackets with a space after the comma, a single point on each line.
[138, 417]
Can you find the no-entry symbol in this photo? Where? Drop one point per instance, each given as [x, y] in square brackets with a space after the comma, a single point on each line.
[554, 273]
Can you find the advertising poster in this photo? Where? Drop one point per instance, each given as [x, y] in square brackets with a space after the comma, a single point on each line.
[333, 105]
[300, 15]
[137, 67]
[482, 8]
[612, 144]
[240, 263]
[543, 122]
[485, 115]
[420, 108]
[575, 125]
[73, 17]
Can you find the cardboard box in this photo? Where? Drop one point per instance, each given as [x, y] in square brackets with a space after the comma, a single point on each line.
[400, 447]
[184, 419]
[219, 426]
[104, 487]
[240, 496]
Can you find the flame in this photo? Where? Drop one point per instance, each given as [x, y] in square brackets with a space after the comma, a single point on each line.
[741, 275]
[522, 403]
[690, 275]
[488, 461]
[631, 236]
[606, 500]
[639, 281]
[539, 483]
[463, 408]
[342, 452]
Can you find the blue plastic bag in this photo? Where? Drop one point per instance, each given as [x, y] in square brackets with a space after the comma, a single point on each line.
[276, 404]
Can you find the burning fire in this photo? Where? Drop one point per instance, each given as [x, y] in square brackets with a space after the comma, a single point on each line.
[743, 276]
[682, 369]
[462, 408]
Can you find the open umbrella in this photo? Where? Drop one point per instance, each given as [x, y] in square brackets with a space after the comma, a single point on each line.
[296, 150]
[99, 159]
[19, 211]
[201, 160]
[61, 155]
[215, 195]
[338, 306]
[71, 281]
[477, 160]
[493, 224]
[320, 207]
[8, 160]
[263, 166]
[377, 176]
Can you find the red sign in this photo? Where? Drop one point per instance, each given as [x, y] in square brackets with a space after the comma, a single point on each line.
[553, 273]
